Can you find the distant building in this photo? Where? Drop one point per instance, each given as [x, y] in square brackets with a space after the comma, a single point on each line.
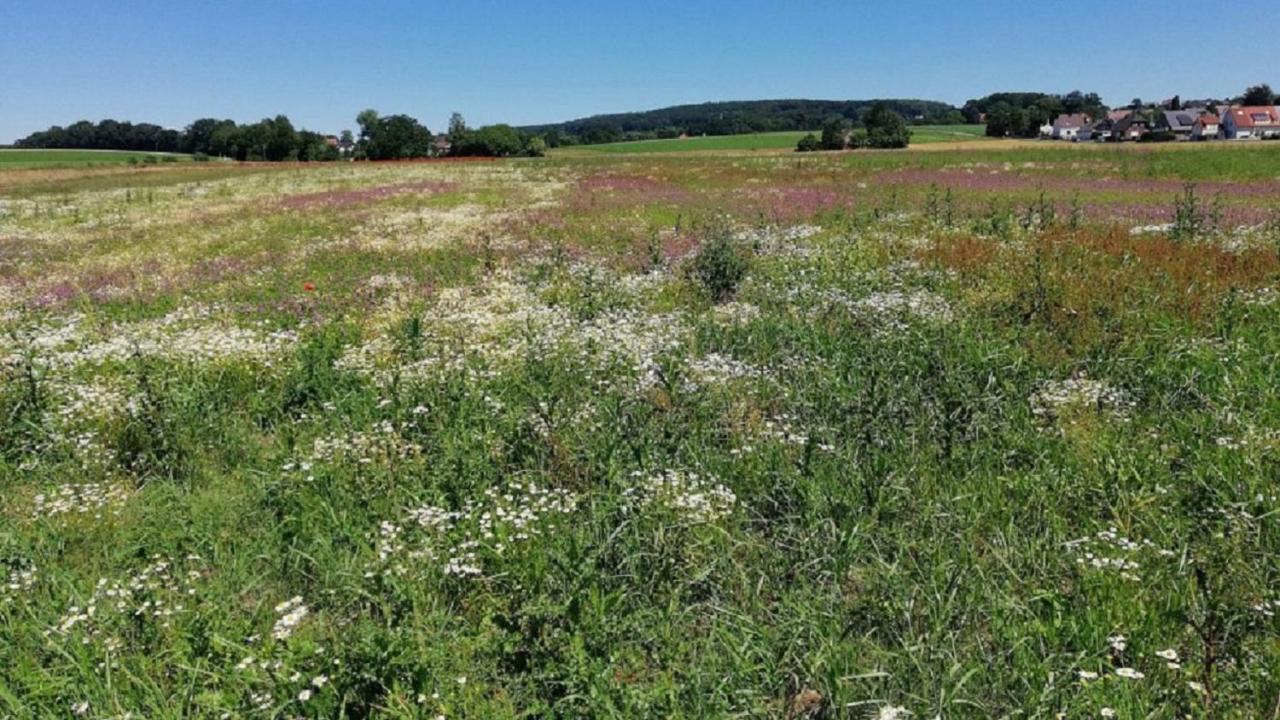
[441, 145]
[1179, 122]
[1068, 127]
[1130, 128]
[1099, 131]
[331, 141]
[1251, 123]
[1207, 127]
[1116, 116]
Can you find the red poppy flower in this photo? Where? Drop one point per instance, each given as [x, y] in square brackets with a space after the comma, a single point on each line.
[309, 286]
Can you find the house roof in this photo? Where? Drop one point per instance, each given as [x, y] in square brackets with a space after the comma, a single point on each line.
[1118, 115]
[1254, 116]
[1209, 119]
[1181, 119]
[1076, 120]
[1125, 122]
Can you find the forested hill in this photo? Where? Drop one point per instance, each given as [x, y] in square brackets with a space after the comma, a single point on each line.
[743, 116]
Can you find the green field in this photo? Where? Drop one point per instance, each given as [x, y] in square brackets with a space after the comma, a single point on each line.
[14, 159]
[922, 134]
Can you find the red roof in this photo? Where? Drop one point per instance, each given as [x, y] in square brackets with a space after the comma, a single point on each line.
[1247, 117]
[1209, 119]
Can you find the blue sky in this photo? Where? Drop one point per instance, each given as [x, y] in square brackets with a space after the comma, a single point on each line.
[527, 62]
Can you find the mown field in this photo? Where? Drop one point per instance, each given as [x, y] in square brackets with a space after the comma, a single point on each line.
[921, 134]
[957, 434]
[14, 159]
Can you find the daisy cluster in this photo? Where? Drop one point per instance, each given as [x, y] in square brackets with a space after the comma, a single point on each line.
[1056, 397]
[459, 542]
[689, 496]
[273, 676]
[154, 594]
[193, 334]
[1109, 551]
[19, 582]
[779, 241]
[382, 443]
[93, 499]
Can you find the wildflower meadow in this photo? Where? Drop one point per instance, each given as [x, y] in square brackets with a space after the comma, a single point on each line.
[950, 433]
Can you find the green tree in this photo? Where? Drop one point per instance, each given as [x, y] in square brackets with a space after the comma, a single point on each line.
[835, 133]
[458, 130]
[395, 137]
[886, 128]
[491, 141]
[1258, 95]
[808, 143]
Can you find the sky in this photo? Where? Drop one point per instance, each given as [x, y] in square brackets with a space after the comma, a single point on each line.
[527, 62]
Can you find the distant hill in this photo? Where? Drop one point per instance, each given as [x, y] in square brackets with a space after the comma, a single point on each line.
[737, 117]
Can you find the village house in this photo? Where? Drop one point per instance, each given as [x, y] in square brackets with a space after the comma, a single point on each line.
[1131, 127]
[1206, 128]
[1068, 127]
[1099, 131]
[1181, 123]
[1251, 123]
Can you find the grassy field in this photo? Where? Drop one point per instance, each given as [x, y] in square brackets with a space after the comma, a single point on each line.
[959, 434]
[14, 159]
[923, 134]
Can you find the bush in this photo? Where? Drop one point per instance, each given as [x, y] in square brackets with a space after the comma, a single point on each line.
[808, 143]
[200, 157]
[719, 265]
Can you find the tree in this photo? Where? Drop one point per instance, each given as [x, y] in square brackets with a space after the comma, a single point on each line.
[1258, 95]
[886, 128]
[457, 129]
[835, 133]
[279, 139]
[1176, 103]
[491, 141]
[535, 147]
[395, 137]
[198, 137]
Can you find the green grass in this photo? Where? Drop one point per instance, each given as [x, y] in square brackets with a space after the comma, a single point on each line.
[922, 134]
[16, 159]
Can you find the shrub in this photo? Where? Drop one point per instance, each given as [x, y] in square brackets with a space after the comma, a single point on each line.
[808, 143]
[720, 266]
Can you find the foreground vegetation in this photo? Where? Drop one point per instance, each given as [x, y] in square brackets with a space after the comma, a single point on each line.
[952, 434]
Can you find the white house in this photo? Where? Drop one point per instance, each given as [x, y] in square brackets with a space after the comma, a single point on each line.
[1068, 127]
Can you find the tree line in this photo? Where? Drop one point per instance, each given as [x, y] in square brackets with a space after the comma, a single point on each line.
[389, 137]
[734, 118]
[270, 139]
